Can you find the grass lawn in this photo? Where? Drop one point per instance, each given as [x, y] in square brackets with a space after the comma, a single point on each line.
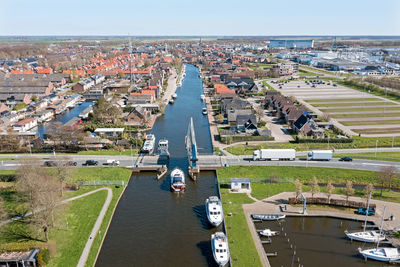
[82, 213]
[342, 100]
[354, 109]
[242, 248]
[359, 142]
[355, 104]
[109, 152]
[367, 115]
[387, 156]
[303, 73]
[356, 122]
[267, 85]
[377, 130]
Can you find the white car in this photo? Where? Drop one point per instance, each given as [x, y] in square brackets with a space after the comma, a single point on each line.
[112, 162]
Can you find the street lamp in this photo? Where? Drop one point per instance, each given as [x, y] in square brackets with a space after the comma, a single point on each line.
[376, 147]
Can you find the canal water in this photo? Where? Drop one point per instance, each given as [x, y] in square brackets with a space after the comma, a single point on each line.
[319, 241]
[151, 225]
[64, 118]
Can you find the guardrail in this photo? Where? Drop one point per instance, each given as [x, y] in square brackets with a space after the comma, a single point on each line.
[101, 183]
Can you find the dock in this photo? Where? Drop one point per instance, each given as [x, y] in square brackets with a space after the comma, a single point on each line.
[154, 163]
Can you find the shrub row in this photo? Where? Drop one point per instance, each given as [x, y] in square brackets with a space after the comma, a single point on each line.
[323, 140]
[240, 138]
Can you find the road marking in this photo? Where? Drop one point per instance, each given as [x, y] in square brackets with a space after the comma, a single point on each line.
[375, 164]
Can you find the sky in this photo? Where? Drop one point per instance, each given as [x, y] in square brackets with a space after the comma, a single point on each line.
[203, 17]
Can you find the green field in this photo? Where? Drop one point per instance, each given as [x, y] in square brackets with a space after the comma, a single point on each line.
[389, 108]
[303, 73]
[355, 122]
[387, 156]
[109, 152]
[366, 115]
[356, 104]
[71, 234]
[377, 131]
[342, 100]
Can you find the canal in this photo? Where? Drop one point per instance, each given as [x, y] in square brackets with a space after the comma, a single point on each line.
[152, 226]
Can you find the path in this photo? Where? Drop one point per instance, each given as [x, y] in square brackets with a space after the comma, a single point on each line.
[171, 88]
[96, 228]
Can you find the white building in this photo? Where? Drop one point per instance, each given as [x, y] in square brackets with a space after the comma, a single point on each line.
[25, 124]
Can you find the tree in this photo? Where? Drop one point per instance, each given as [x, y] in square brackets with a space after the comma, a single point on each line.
[259, 112]
[369, 188]
[41, 190]
[329, 190]
[299, 187]
[349, 190]
[386, 176]
[219, 118]
[3, 210]
[62, 172]
[34, 98]
[314, 186]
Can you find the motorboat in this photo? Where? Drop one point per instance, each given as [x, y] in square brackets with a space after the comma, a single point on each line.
[171, 101]
[177, 180]
[174, 96]
[219, 245]
[202, 97]
[204, 111]
[214, 210]
[268, 217]
[269, 233]
[149, 143]
[380, 254]
[163, 147]
[366, 236]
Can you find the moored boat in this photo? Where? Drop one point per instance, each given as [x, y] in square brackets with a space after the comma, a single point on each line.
[202, 97]
[171, 101]
[380, 254]
[269, 233]
[214, 210]
[163, 147]
[177, 180]
[366, 236]
[268, 217]
[149, 143]
[219, 245]
[174, 96]
[204, 111]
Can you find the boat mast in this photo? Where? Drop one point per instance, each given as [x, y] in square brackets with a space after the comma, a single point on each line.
[366, 213]
[380, 230]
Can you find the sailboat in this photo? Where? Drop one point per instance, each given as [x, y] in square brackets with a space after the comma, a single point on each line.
[380, 253]
[366, 236]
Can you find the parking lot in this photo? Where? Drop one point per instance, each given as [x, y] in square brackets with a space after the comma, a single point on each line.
[353, 111]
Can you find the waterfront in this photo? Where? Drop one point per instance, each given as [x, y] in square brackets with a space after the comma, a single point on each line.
[151, 225]
[318, 241]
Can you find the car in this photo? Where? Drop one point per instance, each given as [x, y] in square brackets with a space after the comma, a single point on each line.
[346, 159]
[112, 162]
[71, 163]
[90, 162]
[50, 163]
[363, 211]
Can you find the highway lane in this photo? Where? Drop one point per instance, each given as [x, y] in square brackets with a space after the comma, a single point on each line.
[125, 161]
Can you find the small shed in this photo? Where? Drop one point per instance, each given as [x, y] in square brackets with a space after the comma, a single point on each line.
[19, 258]
[240, 185]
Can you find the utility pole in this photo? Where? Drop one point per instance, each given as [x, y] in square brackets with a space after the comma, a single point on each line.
[376, 147]
[392, 141]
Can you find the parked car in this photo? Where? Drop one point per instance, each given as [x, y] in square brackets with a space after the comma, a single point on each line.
[90, 162]
[112, 162]
[346, 159]
[71, 163]
[50, 163]
[363, 211]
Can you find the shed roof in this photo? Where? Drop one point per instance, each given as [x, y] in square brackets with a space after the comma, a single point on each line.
[240, 180]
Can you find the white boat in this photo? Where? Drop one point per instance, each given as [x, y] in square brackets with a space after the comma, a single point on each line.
[174, 96]
[366, 236]
[202, 97]
[204, 111]
[163, 147]
[177, 180]
[268, 217]
[380, 254]
[269, 233]
[149, 143]
[219, 245]
[171, 101]
[214, 210]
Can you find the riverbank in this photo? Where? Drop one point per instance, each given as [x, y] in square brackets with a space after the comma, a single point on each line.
[171, 88]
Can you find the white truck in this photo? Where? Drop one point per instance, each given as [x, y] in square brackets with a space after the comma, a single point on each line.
[274, 154]
[320, 155]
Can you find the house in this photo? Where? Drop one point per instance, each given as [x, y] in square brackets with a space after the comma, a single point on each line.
[12, 100]
[95, 142]
[246, 123]
[221, 89]
[240, 185]
[43, 115]
[25, 124]
[302, 126]
[138, 116]
[235, 103]
[139, 99]
[3, 108]
[241, 84]
[98, 78]
[233, 113]
[83, 85]
[109, 131]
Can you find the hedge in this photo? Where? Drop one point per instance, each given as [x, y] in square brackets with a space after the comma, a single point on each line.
[323, 140]
[43, 257]
[241, 138]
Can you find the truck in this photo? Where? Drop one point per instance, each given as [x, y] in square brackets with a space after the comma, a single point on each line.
[320, 155]
[274, 154]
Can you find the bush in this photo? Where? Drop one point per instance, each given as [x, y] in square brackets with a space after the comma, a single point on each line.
[323, 140]
[261, 124]
[43, 257]
[240, 138]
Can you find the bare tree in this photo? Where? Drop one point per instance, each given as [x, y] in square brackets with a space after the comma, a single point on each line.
[62, 172]
[386, 176]
[299, 187]
[348, 190]
[259, 112]
[329, 190]
[314, 186]
[3, 210]
[369, 188]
